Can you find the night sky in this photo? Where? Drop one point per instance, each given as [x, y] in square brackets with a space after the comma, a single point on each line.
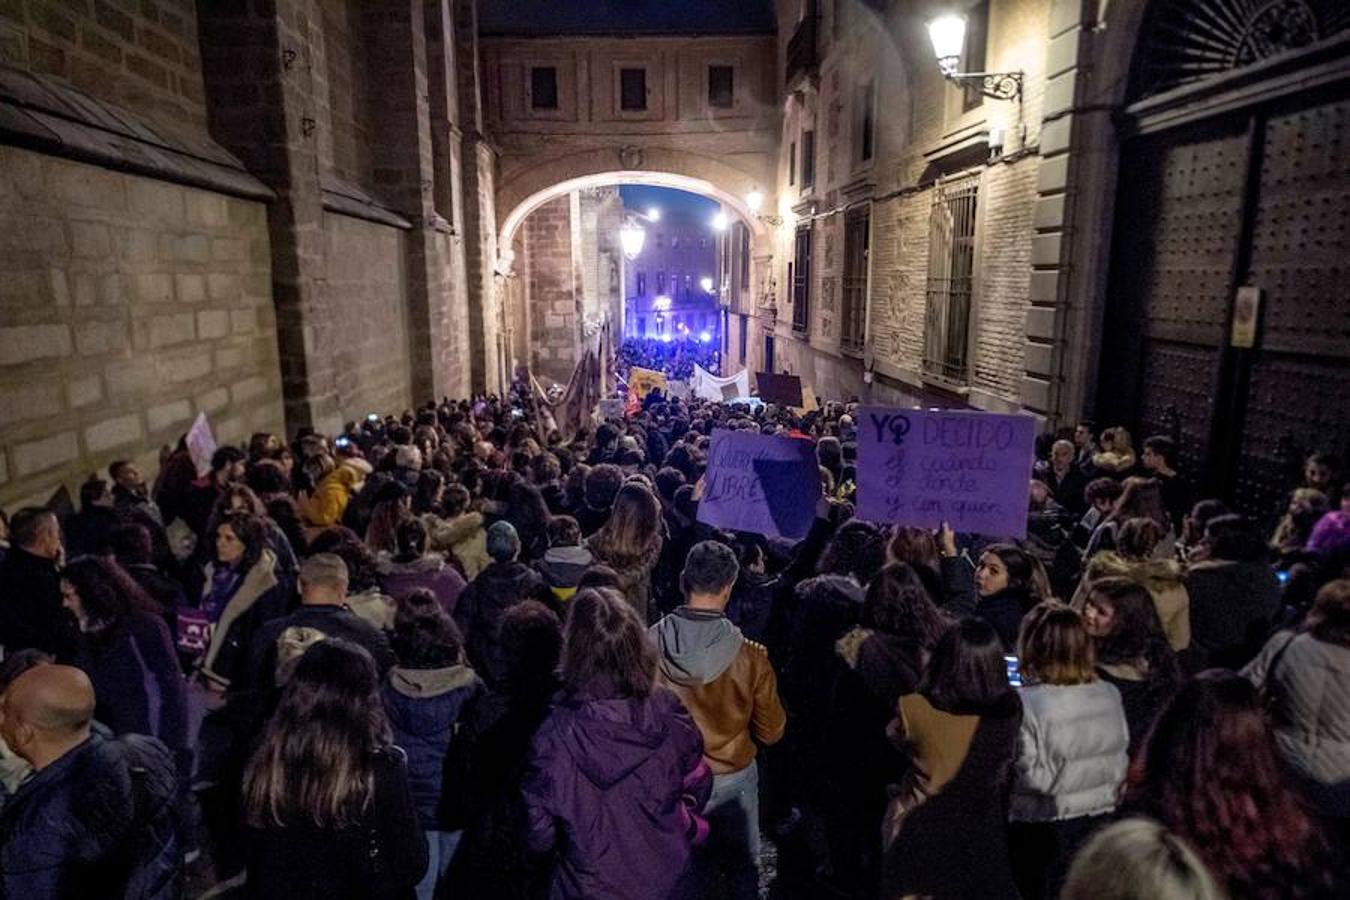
[640, 196]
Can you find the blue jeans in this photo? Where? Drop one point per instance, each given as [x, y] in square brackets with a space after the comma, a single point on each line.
[732, 848]
[440, 850]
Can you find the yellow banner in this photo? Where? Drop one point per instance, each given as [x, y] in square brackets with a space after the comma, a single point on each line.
[642, 382]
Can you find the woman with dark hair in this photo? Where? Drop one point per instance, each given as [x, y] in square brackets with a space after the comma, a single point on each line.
[413, 567]
[1142, 498]
[242, 498]
[1209, 772]
[486, 762]
[1305, 677]
[857, 550]
[616, 775]
[126, 650]
[1072, 750]
[429, 493]
[1001, 590]
[945, 832]
[1164, 578]
[877, 662]
[1193, 525]
[393, 504]
[241, 592]
[326, 801]
[630, 543]
[527, 511]
[1234, 595]
[1132, 650]
[425, 696]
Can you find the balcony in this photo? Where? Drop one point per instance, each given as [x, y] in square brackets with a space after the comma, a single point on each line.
[801, 53]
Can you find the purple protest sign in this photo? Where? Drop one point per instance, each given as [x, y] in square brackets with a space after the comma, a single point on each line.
[925, 467]
[760, 484]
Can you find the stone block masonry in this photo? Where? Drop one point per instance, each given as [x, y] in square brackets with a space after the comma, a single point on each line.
[117, 323]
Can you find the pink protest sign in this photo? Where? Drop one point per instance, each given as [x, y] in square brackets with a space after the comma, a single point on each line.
[925, 467]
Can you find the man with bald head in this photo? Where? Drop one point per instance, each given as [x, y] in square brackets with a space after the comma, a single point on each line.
[97, 817]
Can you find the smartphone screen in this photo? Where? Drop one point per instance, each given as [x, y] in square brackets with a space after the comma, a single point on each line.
[1014, 673]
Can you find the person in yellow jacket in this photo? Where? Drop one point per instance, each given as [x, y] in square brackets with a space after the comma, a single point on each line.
[336, 483]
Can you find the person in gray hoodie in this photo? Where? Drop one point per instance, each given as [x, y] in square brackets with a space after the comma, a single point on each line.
[566, 560]
[729, 687]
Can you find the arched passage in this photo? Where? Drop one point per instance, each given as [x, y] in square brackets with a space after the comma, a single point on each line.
[547, 180]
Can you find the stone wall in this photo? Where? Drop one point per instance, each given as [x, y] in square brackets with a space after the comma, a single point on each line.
[922, 133]
[552, 290]
[140, 54]
[128, 305]
[365, 292]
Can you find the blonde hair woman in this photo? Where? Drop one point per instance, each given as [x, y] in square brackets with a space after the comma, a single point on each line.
[1138, 859]
[1072, 749]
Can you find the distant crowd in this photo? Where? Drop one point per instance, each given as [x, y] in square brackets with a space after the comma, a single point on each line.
[445, 654]
[675, 359]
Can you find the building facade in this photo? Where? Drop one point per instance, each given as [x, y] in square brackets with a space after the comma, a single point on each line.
[669, 288]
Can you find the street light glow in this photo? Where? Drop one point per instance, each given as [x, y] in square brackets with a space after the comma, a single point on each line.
[654, 214]
[706, 283]
[719, 221]
[754, 200]
[632, 236]
[948, 34]
[704, 337]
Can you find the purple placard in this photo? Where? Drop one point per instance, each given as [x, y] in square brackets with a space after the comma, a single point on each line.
[760, 484]
[925, 467]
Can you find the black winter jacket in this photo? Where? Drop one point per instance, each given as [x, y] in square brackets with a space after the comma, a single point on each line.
[98, 822]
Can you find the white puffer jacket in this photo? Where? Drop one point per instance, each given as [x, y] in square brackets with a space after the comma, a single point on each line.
[1072, 752]
[1310, 686]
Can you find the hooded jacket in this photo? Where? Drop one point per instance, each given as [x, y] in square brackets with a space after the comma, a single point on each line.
[479, 612]
[562, 568]
[726, 683]
[30, 606]
[463, 536]
[432, 572]
[1164, 580]
[327, 504]
[424, 708]
[98, 822]
[605, 786]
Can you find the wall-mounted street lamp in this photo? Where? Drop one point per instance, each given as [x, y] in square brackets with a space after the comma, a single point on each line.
[719, 221]
[948, 34]
[755, 200]
[706, 283]
[633, 236]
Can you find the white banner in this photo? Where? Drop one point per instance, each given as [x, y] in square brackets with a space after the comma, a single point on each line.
[708, 386]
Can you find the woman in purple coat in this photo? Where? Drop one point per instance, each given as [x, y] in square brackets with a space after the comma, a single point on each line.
[616, 775]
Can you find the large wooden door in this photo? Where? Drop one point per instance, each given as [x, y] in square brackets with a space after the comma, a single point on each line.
[1229, 194]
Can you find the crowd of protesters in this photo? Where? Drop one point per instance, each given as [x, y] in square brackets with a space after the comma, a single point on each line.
[675, 358]
[443, 655]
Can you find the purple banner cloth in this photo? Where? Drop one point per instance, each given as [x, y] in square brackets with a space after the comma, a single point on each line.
[925, 467]
[760, 484]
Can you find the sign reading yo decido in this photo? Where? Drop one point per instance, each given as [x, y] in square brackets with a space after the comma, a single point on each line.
[928, 466]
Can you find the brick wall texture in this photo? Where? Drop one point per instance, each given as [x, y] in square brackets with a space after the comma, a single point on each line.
[129, 306]
[141, 54]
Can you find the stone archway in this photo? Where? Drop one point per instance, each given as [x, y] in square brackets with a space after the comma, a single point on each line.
[543, 181]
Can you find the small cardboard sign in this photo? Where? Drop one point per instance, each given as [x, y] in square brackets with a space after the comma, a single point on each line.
[925, 467]
[760, 484]
[785, 390]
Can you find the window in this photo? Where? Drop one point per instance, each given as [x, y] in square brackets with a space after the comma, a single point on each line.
[867, 102]
[632, 89]
[642, 326]
[543, 87]
[951, 271]
[745, 335]
[745, 257]
[688, 286]
[660, 283]
[801, 281]
[853, 325]
[768, 353]
[721, 87]
[972, 57]
[642, 284]
[808, 159]
[792, 163]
